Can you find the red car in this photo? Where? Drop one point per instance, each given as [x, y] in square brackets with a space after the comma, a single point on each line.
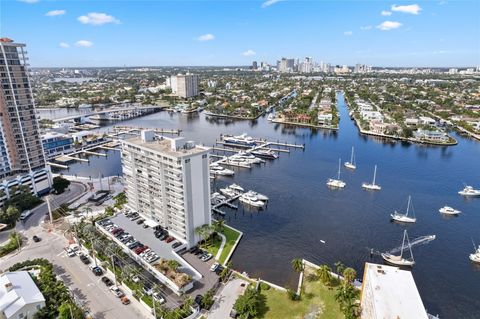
[140, 250]
[116, 230]
[170, 239]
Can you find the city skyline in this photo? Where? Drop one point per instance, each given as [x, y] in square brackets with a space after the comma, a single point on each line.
[203, 33]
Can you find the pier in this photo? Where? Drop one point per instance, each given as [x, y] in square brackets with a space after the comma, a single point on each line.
[111, 111]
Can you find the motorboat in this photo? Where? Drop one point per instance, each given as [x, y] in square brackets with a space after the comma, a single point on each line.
[267, 154]
[336, 183]
[247, 158]
[351, 164]
[404, 218]
[271, 117]
[399, 260]
[216, 169]
[258, 195]
[237, 188]
[447, 210]
[251, 200]
[372, 186]
[228, 192]
[242, 139]
[475, 257]
[469, 191]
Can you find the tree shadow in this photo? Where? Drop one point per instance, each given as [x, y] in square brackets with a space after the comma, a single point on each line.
[262, 306]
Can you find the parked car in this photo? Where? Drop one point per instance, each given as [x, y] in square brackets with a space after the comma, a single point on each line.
[140, 221]
[206, 257]
[214, 267]
[170, 239]
[117, 292]
[233, 313]
[198, 300]
[125, 300]
[85, 259]
[147, 289]
[145, 226]
[107, 281]
[158, 297]
[163, 236]
[193, 249]
[199, 252]
[176, 244]
[97, 271]
[36, 239]
[219, 270]
[70, 252]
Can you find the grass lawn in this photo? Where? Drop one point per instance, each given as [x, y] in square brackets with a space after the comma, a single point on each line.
[317, 302]
[231, 235]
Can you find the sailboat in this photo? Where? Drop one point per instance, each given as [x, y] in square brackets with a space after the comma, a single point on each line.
[336, 183]
[351, 164]
[372, 186]
[400, 260]
[404, 218]
[475, 257]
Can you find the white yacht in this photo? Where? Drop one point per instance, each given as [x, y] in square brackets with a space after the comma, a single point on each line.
[237, 188]
[469, 191]
[447, 210]
[242, 139]
[268, 154]
[404, 218]
[216, 169]
[249, 158]
[258, 195]
[271, 117]
[251, 200]
[336, 183]
[399, 260]
[372, 186]
[351, 164]
[475, 257]
[227, 191]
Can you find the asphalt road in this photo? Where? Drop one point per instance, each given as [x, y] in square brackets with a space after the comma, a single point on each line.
[87, 288]
[39, 212]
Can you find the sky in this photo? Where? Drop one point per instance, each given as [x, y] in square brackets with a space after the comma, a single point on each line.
[96, 33]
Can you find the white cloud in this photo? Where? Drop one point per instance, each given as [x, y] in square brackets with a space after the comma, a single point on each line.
[64, 45]
[206, 37]
[84, 43]
[29, 1]
[411, 8]
[54, 13]
[389, 25]
[386, 13]
[249, 52]
[348, 33]
[97, 18]
[367, 27]
[268, 3]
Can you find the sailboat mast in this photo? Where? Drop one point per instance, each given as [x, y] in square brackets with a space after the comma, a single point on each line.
[403, 242]
[409, 246]
[408, 205]
[374, 174]
[339, 162]
[351, 157]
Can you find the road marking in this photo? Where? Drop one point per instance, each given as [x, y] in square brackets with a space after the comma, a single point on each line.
[60, 253]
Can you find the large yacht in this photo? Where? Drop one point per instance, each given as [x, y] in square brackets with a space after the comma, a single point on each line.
[216, 169]
[268, 154]
[251, 200]
[447, 210]
[258, 195]
[242, 139]
[469, 191]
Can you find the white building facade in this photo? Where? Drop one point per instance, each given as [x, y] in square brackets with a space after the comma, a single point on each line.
[168, 182]
[184, 85]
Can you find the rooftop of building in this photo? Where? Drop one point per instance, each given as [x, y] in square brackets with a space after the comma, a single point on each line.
[176, 147]
[395, 293]
[17, 289]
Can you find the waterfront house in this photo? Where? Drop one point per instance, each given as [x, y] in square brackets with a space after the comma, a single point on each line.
[431, 135]
[371, 116]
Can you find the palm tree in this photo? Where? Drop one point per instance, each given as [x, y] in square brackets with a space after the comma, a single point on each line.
[324, 273]
[340, 267]
[297, 265]
[219, 225]
[349, 274]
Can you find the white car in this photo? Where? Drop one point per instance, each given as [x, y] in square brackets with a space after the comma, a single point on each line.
[206, 257]
[158, 297]
[116, 291]
[214, 267]
[70, 252]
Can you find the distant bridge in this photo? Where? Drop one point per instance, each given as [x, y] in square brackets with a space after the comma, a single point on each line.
[106, 111]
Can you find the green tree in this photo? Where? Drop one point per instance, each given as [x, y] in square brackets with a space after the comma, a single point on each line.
[60, 184]
[340, 267]
[324, 273]
[69, 310]
[349, 274]
[207, 300]
[346, 297]
[247, 305]
[297, 265]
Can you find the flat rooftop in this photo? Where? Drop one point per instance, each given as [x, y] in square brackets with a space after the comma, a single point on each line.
[164, 146]
[395, 293]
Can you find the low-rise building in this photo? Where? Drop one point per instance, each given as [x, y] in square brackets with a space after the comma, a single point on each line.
[19, 296]
[55, 144]
[389, 292]
[431, 135]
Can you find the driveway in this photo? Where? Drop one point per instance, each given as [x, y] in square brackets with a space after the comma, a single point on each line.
[209, 279]
[225, 300]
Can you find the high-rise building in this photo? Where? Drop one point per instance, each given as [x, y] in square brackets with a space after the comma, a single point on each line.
[22, 160]
[286, 65]
[168, 182]
[184, 85]
[254, 65]
[306, 66]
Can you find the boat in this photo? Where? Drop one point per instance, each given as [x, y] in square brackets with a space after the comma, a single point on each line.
[267, 154]
[228, 192]
[372, 186]
[216, 169]
[447, 210]
[336, 183]
[404, 218]
[271, 117]
[399, 260]
[237, 188]
[249, 158]
[469, 191]
[251, 200]
[351, 164]
[242, 139]
[475, 257]
[258, 195]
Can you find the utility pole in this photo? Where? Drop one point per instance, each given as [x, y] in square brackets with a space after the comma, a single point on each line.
[113, 267]
[49, 210]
